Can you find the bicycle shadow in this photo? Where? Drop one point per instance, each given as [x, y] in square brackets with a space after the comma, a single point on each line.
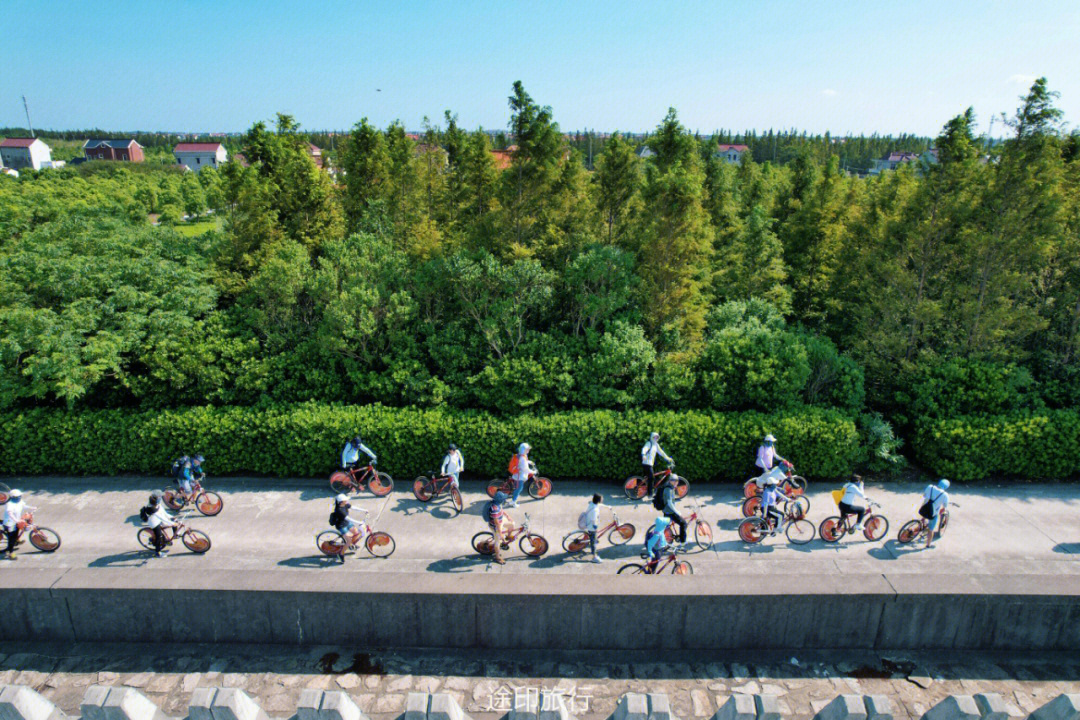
[461, 563]
[311, 561]
[131, 558]
[307, 494]
[729, 524]
[134, 520]
[884, 551]
[1069, 548]
[409, 506]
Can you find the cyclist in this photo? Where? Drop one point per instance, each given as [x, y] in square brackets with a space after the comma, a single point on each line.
[500, 524]
[342, 521]
[453, 464]
[771, 497]
[854, 502]
[648, 459]
[523, 469]
[767, 456]
[159, 520]
[190, 471]
[667, 494]
[591, 522]
[13, 512]
[350, 456]
[655, 543]
[934, 500]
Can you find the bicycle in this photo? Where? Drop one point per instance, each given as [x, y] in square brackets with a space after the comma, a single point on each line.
[196, 541]
[655, 567]
[333, 544]
[537, 487]
[874, 526]
[637, 487]
[530, 543]
[425, 488]
[916, 529]
[618, 534]
[5, 493]
[702, 531]
[206, 502]
[752, 505]
[44, 539]
[355, 478]
[789, 480]
[798, 530]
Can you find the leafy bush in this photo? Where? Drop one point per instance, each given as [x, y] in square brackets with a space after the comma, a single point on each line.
[744, 368]
[1032, 445]
[305, 440]
[968, 387]
[880, 446]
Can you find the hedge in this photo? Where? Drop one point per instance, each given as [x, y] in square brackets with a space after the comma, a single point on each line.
[306, 440]
[1030, 445]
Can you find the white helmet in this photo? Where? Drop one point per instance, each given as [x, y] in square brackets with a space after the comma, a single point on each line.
[16, 493]
[524, 448]
[341, 498]
[655, 436]
[770, 438]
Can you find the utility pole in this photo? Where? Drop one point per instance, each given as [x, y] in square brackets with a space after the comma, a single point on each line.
[27, 109]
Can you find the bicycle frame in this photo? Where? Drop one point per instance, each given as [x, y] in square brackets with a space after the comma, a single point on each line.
[662, 563]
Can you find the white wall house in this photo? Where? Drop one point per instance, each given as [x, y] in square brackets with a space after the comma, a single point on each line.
[19, 153]
[645, 152]
[196, 156]
[731, 153]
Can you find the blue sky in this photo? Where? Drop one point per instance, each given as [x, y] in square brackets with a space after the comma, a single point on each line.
[847, 67]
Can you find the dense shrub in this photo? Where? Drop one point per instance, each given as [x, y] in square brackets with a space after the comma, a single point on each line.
[304, 440]
[1033, 445]
[967, 387]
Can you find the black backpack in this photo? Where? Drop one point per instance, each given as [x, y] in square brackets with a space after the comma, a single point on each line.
[178, 466]
[658, 499]
[146, 512]
[927, 508]
[336, 518]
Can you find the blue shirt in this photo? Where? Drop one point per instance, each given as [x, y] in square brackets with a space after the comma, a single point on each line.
[771, 497]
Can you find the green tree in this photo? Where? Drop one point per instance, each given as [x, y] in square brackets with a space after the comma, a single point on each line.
[365, 161]
[617, 186]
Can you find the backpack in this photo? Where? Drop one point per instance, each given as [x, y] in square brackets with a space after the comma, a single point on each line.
[581, 520]
[336, 518]
[927, 508]
[145, 513]
[650, 534]
[178, 466]
[514, 464]
[658, 499]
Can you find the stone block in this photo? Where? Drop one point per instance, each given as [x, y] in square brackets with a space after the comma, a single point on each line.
[199, 705]
[416, 706]
[235, 704]
[991, 707]
[307, 707]
[337, 705]
[1063, 707]
[124, 703]
[844, 707]
[738, 706]
[93, 699]
[767, 707]
[632, 706]
[444, 707]
[878, 707]
[18, 702]
[553, 706]
[954, 707]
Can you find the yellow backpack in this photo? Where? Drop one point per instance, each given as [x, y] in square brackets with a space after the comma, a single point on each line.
[837, 495]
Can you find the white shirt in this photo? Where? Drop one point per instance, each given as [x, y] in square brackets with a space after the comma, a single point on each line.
[453, 463]
[939, 496]
[853, 495]
[13, 512]
[525, 468]
[649, 451]
[592, 516]
[161, 517]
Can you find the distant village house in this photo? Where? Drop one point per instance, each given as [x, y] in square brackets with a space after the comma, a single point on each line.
[196, 156]
[19, 153]
[892, 161]
[122, 150]
[316, 154]
[731, 153]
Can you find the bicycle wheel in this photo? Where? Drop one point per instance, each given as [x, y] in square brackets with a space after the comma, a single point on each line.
[682, 568]
[750, 488]
[533, 545]
[576, 541]
[539, 487]
[340, 482]
[751, 530]
[5, 493]
[800, 532]
[45, 539]
[944, 523]
[495, 486]
[484, 542]
[682, 487]
[622, 534]
[173, 500]
[196, 541]
[876, 527]
[455, 499]
[798, 483]
[635, 487]
[381, 484]
[145, 536]
[703, 534]
[751, 506]
[831, 530]
[209, 503]
[380, 544]
[330, 543]
[421, 489]
[910, 531]
[632, 569]
[802, 506]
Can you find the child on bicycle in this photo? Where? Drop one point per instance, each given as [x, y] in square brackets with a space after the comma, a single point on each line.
[350, 456]
[771, 497]
[854, 502]
[523, 469]
[655, 542]
[500, 523]
[934, 500]
[348, 526]
[453, 464]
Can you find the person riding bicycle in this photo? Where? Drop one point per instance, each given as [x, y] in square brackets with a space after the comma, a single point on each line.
[158, 521]
[342, 521]
[854, 502]
[655, 543]
[190, 471]
[13, 512]
[523, 469]
[350, 456]
[649, 452]
[668, 497]
[767, 459]
[934, 500]
[453, 464]
[500, 524]
[771, 497]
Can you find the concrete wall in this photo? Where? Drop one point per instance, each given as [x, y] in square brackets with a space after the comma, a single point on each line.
[542, 611]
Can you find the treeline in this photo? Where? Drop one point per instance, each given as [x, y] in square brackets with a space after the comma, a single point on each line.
[430, 276]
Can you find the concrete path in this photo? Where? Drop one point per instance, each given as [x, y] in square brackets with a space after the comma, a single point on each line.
[271, 525]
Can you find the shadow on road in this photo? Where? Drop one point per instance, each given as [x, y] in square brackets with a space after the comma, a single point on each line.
[1069, 548]
[127, 559]
[461, 563]
[311, 561]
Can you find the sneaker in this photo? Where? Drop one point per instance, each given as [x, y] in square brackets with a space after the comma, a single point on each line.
[504, 546]
[157, 553]
[596, 559]
[512, 503]
[500, 560]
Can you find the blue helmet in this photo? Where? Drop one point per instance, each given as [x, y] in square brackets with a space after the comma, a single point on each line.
[500, 498]
[943, 484]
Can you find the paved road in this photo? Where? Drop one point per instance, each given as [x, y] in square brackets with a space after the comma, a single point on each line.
[271, 524]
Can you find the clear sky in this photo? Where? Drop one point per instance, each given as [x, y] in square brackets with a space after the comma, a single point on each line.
[845, 66]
